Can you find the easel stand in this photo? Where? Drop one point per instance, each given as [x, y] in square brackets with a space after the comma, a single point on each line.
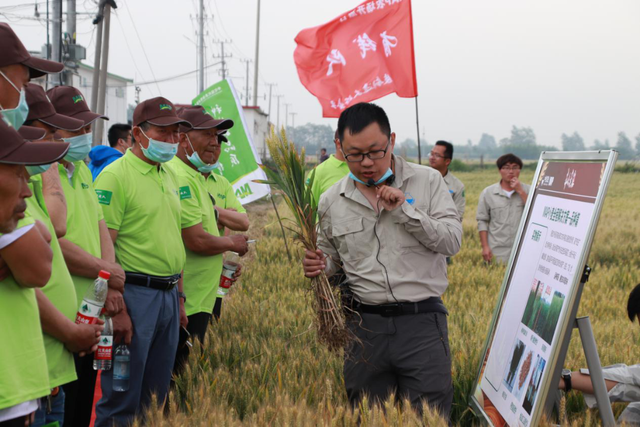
[583, 324]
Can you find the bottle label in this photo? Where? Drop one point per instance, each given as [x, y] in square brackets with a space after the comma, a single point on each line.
[104, 348]
[121, 368]
[226, 279]
[88, 312]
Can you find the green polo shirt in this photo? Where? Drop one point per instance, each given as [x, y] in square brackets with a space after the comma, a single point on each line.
[201, 273]
[327, 173]
[141, 201]
[222, 191]
[23, 361]
[59, 290]
[83, 215]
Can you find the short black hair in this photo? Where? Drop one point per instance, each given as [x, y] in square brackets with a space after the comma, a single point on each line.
[508, 158]
[633, 305]
[448, 149]
[359, 116]
[323, 149]
[118, 131]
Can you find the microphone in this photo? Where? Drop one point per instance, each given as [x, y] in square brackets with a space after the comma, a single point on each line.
[371, 183]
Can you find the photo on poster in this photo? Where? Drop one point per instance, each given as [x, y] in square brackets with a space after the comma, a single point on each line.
[534, 385]
[523, 374]
[514, 363]
[543, 310]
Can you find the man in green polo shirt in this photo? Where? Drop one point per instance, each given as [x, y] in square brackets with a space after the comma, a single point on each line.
[87, 246]
[203, 242]
[328, 173]
[140, 200]
[23, 364]
[231, 214]
[57, 301]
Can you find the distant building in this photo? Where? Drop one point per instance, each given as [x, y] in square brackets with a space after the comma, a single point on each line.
[116, 105]
[257, 122]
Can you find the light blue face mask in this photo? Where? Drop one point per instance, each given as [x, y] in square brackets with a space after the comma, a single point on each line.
[198, 163]
[386, 176]
[79, 147]
[37, 170]
[16, 117]
[158, 151]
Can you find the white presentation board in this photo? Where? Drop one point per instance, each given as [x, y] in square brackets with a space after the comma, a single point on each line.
[538, 294]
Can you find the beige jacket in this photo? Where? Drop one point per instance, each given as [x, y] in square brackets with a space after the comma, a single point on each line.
[412, 241]
[500, 215]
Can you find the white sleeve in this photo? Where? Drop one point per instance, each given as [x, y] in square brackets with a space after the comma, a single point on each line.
[7, 239]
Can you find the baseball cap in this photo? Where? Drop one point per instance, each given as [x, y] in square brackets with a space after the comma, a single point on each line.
[31, 133]
[16, 151]
[158, 111]
[12, 51]
[222, 137]
[41, 108]
[70, 102]
[200, 119]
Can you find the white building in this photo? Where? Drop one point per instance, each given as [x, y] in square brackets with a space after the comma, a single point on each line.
[116, 104]
[257, 122]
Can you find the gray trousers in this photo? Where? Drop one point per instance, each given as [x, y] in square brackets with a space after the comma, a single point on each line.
[407, 356]
[155, 317]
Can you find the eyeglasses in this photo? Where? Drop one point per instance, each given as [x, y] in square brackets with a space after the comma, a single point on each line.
[510, 168]
[437, 156]
[373, 155]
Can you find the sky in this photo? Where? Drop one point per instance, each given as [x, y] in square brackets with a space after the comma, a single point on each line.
[482, 66]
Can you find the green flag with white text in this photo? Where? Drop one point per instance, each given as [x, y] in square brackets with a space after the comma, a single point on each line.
[238, 160]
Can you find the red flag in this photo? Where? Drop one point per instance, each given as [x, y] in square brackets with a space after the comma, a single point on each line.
[360, 56]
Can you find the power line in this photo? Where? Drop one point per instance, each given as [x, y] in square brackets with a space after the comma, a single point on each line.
[126, 41]
[165, 79]
[133, 24]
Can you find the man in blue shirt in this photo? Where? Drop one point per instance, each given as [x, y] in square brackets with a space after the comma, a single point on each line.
[120, 140]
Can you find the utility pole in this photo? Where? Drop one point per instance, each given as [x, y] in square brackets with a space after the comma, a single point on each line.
[246, 89]
[255, 71]
[56, 42]
[104, 65]
[223, 57]
[71, 32]
[293, 119]
[271, 85]
[286, 115]
[96, 69]
[201, 48]
[278, 114]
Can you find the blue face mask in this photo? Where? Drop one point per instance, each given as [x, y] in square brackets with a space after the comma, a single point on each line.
[158, 151]
[386, 176]
[79, 147]
[197, 161]
[37, 170]
[16, 117]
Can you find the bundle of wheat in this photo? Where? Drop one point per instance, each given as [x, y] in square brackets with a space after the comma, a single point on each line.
[289, 179]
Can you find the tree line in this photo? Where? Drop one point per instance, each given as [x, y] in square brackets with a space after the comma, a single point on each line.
[522, 142]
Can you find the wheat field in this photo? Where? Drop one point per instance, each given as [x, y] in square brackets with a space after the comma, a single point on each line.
[262, 366]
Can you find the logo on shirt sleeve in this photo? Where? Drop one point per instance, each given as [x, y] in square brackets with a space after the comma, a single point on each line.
[104, 197]
[185, 192]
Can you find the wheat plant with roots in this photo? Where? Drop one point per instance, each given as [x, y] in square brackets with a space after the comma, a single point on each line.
[289, 180]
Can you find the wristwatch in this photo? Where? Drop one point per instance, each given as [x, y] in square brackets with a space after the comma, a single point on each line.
[183, 296]
[566, 376]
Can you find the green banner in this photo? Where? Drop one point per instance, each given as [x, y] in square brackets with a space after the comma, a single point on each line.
[239, 160]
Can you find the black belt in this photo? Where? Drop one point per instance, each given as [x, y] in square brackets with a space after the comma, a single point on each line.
[430, 305]
[153, 282]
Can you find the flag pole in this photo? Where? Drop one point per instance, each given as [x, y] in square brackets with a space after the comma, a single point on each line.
[418, 132]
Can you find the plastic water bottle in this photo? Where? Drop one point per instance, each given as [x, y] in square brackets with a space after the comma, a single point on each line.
[102, 357]
[94, 299]
[229, 267]
[121, 368]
